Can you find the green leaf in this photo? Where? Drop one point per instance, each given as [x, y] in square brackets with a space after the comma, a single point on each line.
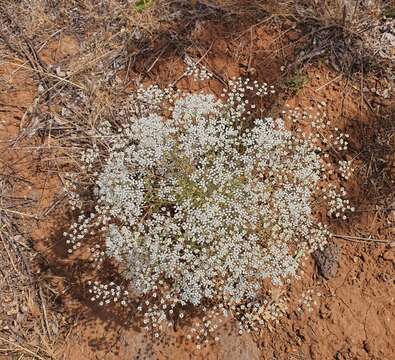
[296, 82]
[141, 5]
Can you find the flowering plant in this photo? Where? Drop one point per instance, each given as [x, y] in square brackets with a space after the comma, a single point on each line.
[198, 202]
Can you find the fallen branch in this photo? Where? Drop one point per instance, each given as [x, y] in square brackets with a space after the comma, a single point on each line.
[361, 239]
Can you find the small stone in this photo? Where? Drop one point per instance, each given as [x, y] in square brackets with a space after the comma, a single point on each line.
[389, 255]
[367, 347]
[327, 260]
[293, 35]
[325, 311]
[40, 89]
[59, 72]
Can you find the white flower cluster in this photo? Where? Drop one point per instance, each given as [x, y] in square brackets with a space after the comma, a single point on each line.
[198, 72]
[198, 203]
[338, 206]
[107, 293]
[345, 169]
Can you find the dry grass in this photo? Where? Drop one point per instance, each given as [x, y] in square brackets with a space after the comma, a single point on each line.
[29, 327]
[377, 156]
[343, 32]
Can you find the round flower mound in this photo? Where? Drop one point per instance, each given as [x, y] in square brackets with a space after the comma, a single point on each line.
[198, 203]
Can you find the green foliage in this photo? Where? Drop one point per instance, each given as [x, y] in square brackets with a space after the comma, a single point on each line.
[141, 5]
[296, 82]
[389, 12]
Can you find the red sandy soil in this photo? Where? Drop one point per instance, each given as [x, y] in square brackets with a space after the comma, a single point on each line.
[354, 316]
